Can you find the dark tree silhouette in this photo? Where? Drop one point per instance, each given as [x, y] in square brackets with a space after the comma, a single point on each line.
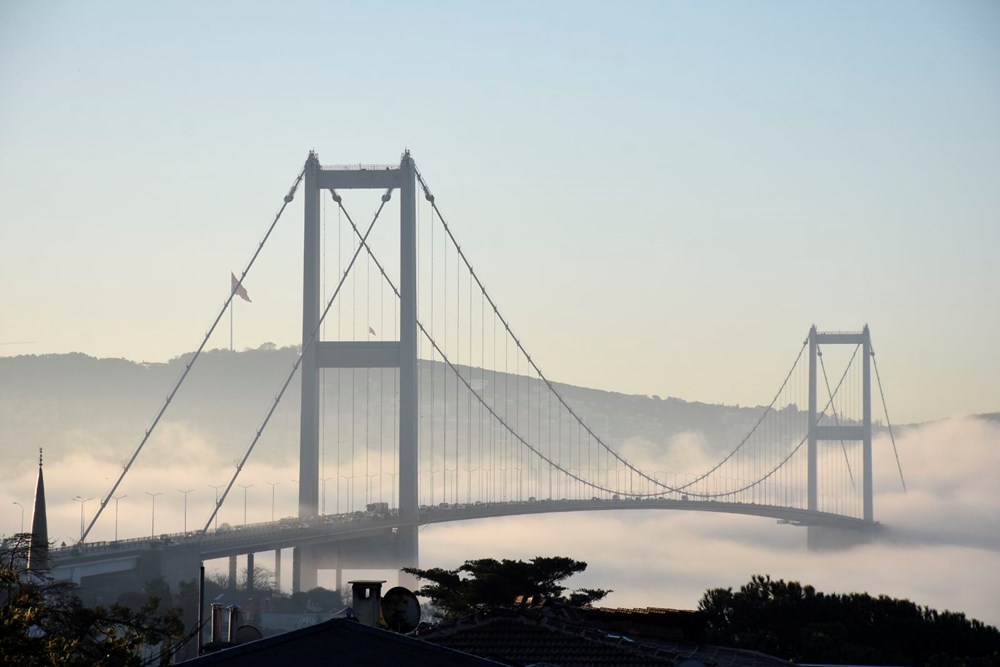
[796, 622]
[479, 585]
[43, 622]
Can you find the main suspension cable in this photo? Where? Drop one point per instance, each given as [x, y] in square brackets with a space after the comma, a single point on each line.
[430, 197]
[542, 456]
[454, 369]
[836, 419]
[885, 409]
[236, 287]
[791, 453]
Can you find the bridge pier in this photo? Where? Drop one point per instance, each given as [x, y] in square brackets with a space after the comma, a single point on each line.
[407, 554]
[386, 551]
[232, 574]
[250, 586]
[304, 569]
[831, 538]
[277, 570]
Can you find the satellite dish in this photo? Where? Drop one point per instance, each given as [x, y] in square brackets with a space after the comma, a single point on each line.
[400, 610]
[248, 633]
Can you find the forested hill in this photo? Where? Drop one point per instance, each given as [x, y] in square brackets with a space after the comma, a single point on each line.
[68, 401]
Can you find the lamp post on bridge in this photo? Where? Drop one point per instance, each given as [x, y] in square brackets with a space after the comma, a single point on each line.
[185, 506]
[116, 499]
[325, 480]
[83, 505]
[216, 487]
[272, 485]
[245, 487]
[370, 488]
[22, 514]
[152, 512]
[350, 493]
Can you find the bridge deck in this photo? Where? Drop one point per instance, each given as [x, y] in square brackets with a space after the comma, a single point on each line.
[268, 536]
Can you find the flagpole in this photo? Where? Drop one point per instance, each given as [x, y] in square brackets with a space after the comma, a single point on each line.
[238, 291]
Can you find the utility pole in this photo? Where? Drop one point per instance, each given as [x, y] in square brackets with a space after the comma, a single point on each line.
[22, 514]
[116, 499]
[83, 505]
[272, 485]
[245, 487]
[185, 506]
[217, 487]
[152, 512]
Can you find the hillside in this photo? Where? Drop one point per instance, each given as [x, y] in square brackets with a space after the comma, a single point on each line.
[66, 401]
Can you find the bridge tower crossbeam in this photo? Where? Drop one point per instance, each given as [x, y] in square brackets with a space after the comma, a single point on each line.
[319, 354]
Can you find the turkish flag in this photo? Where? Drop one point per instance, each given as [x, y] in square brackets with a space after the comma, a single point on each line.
[239, 289]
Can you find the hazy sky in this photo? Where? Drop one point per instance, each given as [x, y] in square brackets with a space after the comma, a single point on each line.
[662, 196]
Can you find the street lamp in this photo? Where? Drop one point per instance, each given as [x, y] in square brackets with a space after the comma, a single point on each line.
[324, 480]
[185, 507]
[152, 512]
[272, 484]
[216, 487]
[83, 505]
[116, 499]
[245, 487]
[22, 514]
[350, 493]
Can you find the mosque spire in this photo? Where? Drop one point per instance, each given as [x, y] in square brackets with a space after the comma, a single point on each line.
[38, 551]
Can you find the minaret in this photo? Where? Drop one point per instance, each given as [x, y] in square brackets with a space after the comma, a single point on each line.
[38, 551]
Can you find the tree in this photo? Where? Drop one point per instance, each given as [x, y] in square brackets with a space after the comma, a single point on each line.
[796, 622]
[44, 622]
[479, 585]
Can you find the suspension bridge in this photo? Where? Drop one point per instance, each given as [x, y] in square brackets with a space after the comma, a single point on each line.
[438, 412]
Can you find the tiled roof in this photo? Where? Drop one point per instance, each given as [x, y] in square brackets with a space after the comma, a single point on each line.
[339, 641]
[525, 638]
[574, 637]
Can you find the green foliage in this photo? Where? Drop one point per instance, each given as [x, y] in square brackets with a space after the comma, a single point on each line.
[796, 622]
[479, 585]
[43, 622]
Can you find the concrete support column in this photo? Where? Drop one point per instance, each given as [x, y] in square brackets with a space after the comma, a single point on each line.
[304, 569]
[277, 570]
[250, 585]
[232, 574]
[407, 552]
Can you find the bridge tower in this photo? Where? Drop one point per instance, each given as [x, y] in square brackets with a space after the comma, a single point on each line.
[821, 537]
[318, 354]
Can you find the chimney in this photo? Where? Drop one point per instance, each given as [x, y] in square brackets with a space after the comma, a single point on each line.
[366, 600]
[216, 622]
[234, 622]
